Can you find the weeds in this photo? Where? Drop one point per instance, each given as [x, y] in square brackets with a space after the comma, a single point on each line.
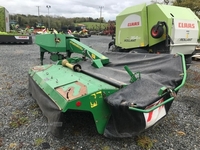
[144, 142]
[39, 141]
[18, 118]
[33, 106]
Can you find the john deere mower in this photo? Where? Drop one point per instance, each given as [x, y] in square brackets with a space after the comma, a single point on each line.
[126, 92]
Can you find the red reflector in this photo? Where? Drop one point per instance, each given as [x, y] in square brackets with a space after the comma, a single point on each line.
[78, 103]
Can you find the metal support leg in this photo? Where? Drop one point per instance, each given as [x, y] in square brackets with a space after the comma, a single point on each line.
[41, 57]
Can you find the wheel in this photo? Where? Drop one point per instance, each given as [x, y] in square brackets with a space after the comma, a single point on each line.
[111, 45]
[157, 31]
[116, 49]
[113, 48]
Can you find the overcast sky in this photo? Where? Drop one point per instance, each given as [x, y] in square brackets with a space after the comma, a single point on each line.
[70, 8]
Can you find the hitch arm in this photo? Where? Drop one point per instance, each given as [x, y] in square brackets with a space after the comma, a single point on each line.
[98, 60]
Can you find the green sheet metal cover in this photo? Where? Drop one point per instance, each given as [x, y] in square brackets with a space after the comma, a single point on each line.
[58, 89]
[57, 81]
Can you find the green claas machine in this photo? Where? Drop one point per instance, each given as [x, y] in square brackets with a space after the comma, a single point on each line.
[156, 28]
[8, 37]
[126, 92]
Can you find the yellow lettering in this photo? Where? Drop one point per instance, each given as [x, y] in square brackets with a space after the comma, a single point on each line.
[92, 105]
[94, 96]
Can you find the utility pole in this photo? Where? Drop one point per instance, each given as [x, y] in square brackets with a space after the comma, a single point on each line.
[101, 7]
[38, 13]
[38, 10]
[48, 7]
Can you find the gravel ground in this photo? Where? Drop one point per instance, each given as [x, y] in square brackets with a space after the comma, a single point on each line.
[22, 125]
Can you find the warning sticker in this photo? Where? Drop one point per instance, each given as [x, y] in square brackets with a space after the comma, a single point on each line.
[152, 117]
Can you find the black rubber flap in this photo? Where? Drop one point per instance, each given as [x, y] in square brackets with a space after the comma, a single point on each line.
[156, 71]
[49, 109]
[13, 40]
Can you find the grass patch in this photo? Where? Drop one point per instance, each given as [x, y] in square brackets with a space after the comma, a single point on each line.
[33, 106]
[17, 119]
[38, 141]
[144, 142]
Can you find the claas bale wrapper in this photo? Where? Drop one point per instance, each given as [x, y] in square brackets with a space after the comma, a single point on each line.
[126, 92]
[8, 37]
[156, 28]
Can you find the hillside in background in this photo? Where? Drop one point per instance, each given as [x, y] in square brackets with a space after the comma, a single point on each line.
[59, 22]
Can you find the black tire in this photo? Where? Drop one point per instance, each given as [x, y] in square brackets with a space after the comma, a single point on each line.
[157, 31]
[116, 49]
[110, 45]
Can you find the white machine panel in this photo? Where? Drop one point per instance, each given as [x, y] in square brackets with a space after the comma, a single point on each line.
[185, 34]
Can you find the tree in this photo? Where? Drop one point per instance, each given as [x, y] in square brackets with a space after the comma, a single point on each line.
[193, 5]
[56, 21]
